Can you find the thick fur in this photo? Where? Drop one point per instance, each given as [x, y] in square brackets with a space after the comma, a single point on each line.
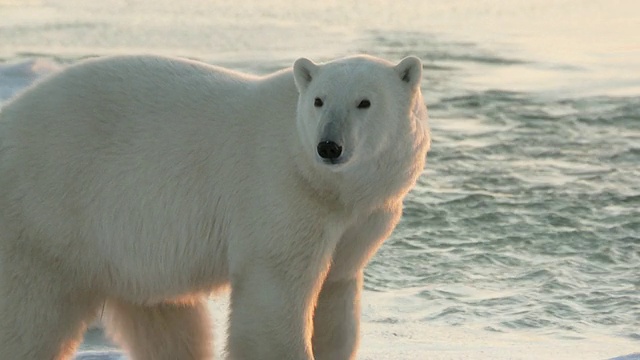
[145, 183]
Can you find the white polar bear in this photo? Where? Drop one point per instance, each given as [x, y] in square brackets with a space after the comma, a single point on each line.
[144, 183]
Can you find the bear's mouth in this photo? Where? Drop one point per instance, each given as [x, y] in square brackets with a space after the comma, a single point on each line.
[332, 161]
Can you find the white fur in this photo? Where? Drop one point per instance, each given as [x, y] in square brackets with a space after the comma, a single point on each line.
[148, 182]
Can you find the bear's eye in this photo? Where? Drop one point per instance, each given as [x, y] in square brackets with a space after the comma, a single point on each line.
[318, 102]
[364, 104]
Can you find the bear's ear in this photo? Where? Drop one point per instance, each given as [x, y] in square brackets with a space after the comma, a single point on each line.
[409, 70]
[303, 71]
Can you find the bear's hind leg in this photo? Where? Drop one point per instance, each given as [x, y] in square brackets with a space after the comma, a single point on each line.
[40, 317]
[165, 331]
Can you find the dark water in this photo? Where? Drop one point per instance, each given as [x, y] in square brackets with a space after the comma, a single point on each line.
[528, 215]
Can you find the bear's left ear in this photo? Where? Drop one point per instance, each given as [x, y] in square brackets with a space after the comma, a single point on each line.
[409, 70]
[303, 72]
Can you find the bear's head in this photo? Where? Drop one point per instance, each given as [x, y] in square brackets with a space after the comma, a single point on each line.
[352, 110]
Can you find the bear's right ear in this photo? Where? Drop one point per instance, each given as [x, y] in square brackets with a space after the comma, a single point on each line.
[303, 72]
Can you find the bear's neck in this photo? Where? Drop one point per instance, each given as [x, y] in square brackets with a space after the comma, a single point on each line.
[322, 187]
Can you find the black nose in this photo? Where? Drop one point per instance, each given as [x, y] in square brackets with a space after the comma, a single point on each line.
[329, 150]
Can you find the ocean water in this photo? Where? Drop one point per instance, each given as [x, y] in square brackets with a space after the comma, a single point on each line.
[524, 228]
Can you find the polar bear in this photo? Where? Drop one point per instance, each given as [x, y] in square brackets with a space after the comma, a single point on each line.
[141, 184]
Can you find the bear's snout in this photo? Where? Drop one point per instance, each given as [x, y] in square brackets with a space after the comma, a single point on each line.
[329, 150]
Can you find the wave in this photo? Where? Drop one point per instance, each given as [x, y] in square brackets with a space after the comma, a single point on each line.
[14, 77]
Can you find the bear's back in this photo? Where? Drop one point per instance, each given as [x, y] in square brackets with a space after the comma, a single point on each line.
[125, 89]
[130, 109]
[112, 137]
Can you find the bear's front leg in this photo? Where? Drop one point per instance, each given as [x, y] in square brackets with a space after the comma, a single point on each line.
[336, 320]
[271, 313]
[337, 315]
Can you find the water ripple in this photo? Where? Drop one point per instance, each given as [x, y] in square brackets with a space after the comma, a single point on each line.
[535, 205]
